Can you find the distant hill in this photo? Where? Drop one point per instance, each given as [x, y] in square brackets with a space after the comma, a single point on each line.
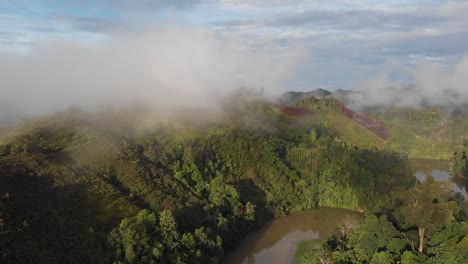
[294, 97]
[422, 132]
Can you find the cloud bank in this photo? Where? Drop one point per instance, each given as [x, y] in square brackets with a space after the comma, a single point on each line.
[428, 86]
[163, 66]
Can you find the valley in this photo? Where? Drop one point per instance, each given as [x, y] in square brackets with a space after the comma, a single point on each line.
[126, 186]
[233, 132]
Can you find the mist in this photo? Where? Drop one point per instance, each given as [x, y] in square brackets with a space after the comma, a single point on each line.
[168, 66]
[427, 85]
[175, 66]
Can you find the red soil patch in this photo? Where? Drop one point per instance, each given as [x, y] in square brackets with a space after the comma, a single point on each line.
[293, 110]
[373, 125]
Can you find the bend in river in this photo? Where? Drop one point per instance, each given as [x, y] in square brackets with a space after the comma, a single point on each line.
[276, 242]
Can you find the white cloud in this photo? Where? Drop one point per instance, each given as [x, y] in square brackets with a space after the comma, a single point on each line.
[258, 3]
[161, 66]
[430, 86]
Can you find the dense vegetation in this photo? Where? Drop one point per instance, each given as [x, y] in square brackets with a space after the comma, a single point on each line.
[426, 225]
[134, 187]
[430, 133]
[121, 187]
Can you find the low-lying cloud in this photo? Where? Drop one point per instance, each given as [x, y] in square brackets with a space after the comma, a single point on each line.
[427, 85]
[164, 66]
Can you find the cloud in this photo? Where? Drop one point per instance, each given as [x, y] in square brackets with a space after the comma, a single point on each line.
[359, 16]
[164, 66]
[286, 3]
[90, 5]
[9, 37]
[357, 19]
[260, 3]
[428, 85]
[351, 39]
[93, 24]
[87, 19]
[162, 3]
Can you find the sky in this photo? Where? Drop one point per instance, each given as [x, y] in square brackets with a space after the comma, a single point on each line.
[347, 41]
[279, 44]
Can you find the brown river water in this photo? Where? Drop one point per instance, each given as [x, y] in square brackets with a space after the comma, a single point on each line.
[440, 171]
[276, 242]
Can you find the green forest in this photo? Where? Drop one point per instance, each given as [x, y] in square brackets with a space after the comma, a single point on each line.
[427, 224]
[127, 187]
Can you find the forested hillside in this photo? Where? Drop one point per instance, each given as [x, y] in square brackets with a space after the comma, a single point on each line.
[427, 224]
[126, 187]
[419, 132]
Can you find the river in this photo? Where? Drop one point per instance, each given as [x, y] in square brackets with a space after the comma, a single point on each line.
[440, 171]
[276, 242]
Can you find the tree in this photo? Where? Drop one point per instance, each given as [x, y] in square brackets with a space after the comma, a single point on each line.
[168, 227]
[425, 206]
[222, 194]
[324, 256]
[449, 245]
[409, 257]
[382, 258]
[372, 236]
[250, 211]
[347, 224]
[134, 239]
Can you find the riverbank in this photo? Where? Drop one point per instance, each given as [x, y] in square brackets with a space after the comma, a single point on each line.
[277, 241]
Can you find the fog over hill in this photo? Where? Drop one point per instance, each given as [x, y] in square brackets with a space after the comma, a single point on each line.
[180, 66]
[9, 114]
[426, 86]
[429, 86]
[162, 66]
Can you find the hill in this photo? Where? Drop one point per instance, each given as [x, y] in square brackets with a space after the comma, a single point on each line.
[138, 187]
[293, 97]
[419, 132]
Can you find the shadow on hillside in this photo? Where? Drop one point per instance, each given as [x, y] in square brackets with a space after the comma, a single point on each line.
[43, 223]
[192, 217]
[248, 191]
